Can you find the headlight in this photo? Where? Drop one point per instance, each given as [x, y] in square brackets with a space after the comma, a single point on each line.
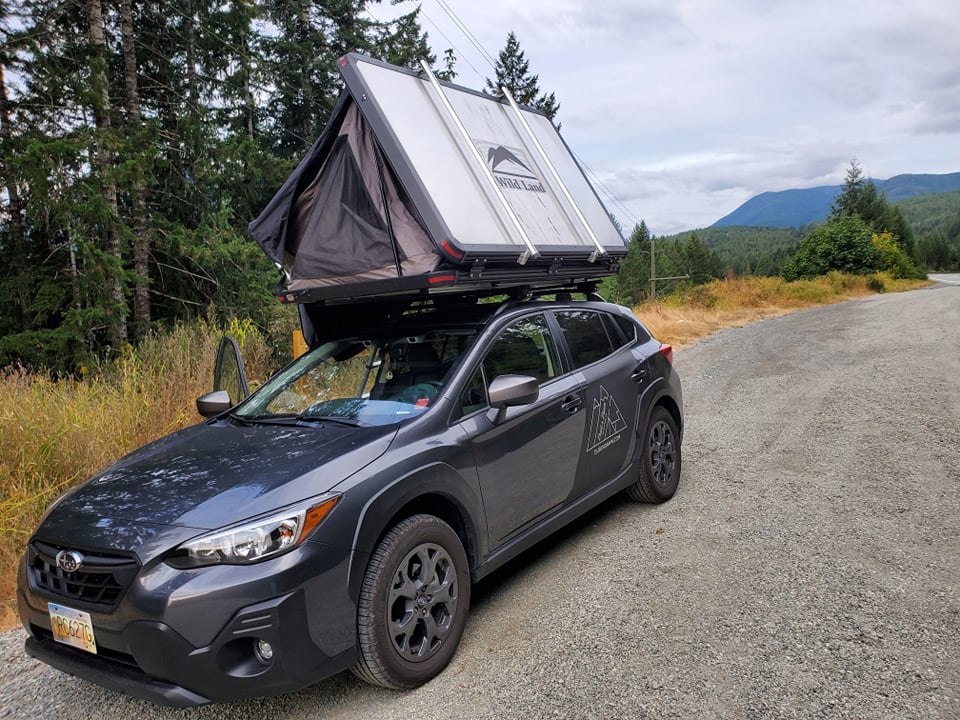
[254, 541]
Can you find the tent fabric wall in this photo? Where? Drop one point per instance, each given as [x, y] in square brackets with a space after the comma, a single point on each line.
[331, 222]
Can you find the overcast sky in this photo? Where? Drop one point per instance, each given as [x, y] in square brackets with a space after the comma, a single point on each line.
[685, 109]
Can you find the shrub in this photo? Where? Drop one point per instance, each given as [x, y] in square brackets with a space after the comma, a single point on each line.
[893, 259]
[699, 296]
[844, 244]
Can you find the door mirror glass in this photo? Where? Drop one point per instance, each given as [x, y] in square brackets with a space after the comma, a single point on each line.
[228, 373]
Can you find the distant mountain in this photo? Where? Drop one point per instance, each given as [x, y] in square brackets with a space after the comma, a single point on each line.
[793, 208]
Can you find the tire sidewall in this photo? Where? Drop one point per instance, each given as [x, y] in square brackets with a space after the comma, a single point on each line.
[418, 530]
[661, 493]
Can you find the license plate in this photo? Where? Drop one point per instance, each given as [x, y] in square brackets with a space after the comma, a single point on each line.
[72, 627]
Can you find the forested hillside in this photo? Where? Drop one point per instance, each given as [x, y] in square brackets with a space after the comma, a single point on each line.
[934, 237]
[795, 207]
[933, 213]
[935, 219]
[138, 140]
[749, 250]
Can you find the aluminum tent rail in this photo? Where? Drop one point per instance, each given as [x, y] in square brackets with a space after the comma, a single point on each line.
[485, 172]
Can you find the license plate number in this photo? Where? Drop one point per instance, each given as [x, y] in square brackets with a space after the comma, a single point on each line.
[72, 627]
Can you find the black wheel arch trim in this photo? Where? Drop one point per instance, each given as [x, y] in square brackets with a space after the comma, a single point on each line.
[661, 397]
[420, 491]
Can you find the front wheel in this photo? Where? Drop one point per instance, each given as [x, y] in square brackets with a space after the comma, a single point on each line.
[659, 466]
[413, 604]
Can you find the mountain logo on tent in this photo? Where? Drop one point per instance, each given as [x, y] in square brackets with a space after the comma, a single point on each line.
[503, 161]
[606, 423]
[510, 167]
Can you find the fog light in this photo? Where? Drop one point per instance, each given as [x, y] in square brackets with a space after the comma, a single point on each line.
[264, 651]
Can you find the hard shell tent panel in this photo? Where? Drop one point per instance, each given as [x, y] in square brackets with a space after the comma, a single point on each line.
[417, 187]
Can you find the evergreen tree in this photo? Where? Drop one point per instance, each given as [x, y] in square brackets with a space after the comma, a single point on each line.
[633, 280]
[703, 264]
[513, 73]
[859, 196]
[449, 60]
[136, 144]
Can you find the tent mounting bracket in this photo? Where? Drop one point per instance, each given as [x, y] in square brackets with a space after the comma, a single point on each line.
[476, 270]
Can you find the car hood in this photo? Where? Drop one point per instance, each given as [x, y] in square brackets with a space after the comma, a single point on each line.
[206, 477]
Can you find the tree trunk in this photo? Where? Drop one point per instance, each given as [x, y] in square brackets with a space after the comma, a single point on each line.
[17, 232]
[250, 107]
[138, 224]
[100, 99]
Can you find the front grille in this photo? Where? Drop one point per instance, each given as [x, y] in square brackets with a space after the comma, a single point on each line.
[101, 580]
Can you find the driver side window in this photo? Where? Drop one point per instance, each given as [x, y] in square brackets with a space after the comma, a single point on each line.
[524, 348]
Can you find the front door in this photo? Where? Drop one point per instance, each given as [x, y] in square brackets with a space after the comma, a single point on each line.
[528, 460]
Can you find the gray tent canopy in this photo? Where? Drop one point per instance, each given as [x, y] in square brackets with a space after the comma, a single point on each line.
[417, 187]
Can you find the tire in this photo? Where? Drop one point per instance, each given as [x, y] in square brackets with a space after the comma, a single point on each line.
[660, 460]
[413, 604]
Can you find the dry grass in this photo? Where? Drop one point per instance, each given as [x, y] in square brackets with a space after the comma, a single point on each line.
[55, 433]
[679, 319]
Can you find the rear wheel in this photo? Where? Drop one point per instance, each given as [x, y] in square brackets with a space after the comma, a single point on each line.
[413, 604]
[659, 466]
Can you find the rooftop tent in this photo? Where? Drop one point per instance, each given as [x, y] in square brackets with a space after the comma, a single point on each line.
[416, 186]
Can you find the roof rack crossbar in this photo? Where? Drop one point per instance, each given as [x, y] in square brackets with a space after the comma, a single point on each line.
[531, 252]
[556, 176]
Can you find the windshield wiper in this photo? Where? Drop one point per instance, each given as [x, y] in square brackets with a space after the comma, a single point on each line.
[339, 419]
[293, 419]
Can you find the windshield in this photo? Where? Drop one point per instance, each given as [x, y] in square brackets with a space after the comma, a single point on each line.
[361, 381]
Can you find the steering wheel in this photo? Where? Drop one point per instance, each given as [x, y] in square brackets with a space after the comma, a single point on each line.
[425, 390]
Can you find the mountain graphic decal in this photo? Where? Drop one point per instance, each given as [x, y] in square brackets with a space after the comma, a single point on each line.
[606, 423]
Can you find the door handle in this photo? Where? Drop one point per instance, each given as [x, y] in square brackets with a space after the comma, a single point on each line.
[639, 375]
[571, 403]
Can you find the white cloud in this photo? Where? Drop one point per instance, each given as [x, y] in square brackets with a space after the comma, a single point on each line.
[687, 108]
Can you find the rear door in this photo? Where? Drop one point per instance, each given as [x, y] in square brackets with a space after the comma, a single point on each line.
[613, 375]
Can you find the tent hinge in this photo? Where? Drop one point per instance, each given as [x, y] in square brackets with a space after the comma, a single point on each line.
[476, 270]
[555, 266]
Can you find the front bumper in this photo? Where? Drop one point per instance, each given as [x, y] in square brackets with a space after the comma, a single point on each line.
[194, 642]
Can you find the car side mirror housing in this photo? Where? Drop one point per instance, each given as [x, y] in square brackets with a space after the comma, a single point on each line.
[214, 403]
[510, 391]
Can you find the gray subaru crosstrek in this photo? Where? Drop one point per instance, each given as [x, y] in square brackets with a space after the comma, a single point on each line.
[337, 517]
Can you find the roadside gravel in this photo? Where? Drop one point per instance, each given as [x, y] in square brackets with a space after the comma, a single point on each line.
[809, 566]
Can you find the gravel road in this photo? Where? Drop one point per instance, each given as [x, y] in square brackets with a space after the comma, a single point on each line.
[809, 566]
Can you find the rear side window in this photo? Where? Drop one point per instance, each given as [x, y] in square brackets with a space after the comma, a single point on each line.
[586, 336]
[630, 329]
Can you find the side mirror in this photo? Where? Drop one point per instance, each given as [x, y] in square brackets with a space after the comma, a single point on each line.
[510, 391]
[214, 403]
